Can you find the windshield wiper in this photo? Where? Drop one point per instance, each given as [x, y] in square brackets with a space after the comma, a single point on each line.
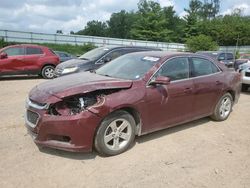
[83, 58]
[107, 75]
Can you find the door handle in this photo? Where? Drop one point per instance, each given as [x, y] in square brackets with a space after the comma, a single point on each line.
[188, 90]
[218, 82]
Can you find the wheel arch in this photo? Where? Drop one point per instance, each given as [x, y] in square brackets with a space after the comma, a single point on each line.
[47, 64]
[232, 93]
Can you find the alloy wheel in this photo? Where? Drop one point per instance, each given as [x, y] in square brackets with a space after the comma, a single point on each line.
[225, 107]
[117, 134]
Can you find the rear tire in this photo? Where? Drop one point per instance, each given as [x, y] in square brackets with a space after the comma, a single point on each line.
[48, 72]
[115, 134]
[223, 108]
[244, 87]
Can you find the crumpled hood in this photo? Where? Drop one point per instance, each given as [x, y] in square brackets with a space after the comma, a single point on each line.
[72, 63]
[83, 82]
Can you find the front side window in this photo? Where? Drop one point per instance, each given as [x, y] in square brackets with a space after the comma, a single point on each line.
[203, 67]
[15, 51]
[175, 69]
[115, 54]
[33, 51]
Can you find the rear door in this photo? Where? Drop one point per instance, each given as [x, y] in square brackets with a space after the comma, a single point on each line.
[32, 57]
[170, 104]
[208, 85]
[14, 63]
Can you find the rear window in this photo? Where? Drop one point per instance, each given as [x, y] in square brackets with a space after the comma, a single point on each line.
[32, 51]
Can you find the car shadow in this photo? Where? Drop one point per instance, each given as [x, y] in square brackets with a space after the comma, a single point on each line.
[8, 78]
[171, 130]
[69, 155]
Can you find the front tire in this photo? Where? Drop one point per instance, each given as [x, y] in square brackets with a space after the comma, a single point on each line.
[223, 108]
[115, 134]
[48, 72]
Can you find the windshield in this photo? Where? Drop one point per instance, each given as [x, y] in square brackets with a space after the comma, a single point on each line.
[129, 67]
[94, 54]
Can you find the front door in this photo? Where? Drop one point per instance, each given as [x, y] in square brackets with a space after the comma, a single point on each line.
[170, 104]
[14, 62]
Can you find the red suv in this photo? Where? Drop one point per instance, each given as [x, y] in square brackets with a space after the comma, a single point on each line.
[28, 59]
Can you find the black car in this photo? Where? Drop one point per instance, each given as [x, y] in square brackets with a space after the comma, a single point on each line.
[225, 57]
[64, 56]
[96, 58]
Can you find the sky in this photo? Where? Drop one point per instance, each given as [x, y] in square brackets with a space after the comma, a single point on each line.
[72, 15]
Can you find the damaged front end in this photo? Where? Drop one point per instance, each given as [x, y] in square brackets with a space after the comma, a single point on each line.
[76, 104]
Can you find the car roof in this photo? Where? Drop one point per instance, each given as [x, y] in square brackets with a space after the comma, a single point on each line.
[162, 54]
[133, 47]
[26, 45]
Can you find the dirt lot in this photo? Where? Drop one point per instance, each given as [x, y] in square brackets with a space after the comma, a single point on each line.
[202, 153]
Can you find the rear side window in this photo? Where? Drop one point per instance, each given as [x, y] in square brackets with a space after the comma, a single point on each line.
[175, 69]
[14, 51]
[203, 67]
[32, 51]
[230, 56]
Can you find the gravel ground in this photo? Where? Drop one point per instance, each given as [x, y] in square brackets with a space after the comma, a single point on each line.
[202, 153]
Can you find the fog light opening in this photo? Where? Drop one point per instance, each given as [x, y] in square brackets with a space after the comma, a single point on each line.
[59, 138]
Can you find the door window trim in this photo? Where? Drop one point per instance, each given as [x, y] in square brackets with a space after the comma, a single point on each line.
[150, 79]
[97, 62]
[25, 50]
[191, 62]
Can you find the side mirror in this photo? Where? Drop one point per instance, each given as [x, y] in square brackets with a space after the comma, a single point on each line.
[3, 55]
[106, 59]
[161, 80]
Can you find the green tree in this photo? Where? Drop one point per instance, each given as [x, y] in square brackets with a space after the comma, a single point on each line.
[201, 43]
[192, 18]
[210, 10]
[175, 24]
[94, 28]
[120, 24]
[2, 43]
[151, 23]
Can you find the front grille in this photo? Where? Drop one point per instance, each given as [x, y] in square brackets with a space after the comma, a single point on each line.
[32, 117]
[247, 74]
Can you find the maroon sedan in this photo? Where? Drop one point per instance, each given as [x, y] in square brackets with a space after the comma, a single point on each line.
[132, 95]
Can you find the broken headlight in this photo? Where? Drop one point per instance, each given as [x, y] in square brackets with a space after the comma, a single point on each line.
[73, 105]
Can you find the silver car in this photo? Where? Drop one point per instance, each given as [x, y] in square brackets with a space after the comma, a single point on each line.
[245, 72]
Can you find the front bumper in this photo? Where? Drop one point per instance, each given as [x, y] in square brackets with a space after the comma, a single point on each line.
[71, 133]
[246, 77]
